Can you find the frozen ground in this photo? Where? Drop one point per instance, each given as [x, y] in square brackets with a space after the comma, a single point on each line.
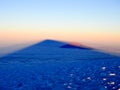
[49, 66]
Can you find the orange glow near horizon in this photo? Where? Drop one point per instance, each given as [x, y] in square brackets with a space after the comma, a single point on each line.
[14, 36]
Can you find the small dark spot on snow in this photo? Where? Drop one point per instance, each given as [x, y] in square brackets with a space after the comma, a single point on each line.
[20, 85]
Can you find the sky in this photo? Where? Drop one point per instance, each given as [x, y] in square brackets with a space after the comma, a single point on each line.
[86, 21]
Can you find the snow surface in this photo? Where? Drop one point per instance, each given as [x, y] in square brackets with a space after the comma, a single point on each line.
[47, 66]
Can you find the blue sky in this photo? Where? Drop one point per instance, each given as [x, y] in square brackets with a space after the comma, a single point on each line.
[60, 12]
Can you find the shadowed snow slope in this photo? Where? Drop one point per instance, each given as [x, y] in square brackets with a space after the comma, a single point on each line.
[72, 46]
[55, 65]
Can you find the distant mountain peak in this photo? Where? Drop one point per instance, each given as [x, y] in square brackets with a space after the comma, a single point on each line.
[51, 43]
[60, 44]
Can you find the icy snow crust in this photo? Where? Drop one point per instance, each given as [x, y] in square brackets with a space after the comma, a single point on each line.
[47, 66]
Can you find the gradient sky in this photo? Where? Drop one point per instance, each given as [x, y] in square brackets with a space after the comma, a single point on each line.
[91, 21]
